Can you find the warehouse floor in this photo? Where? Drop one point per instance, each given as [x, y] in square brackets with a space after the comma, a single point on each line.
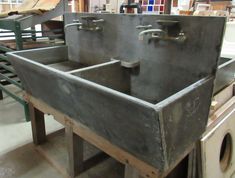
[26, 162]
[14, 131]
[20, 158]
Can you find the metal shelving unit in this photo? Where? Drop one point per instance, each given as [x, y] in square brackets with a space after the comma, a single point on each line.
[20, 29]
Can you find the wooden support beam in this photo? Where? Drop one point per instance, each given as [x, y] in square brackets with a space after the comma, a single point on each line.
[81, 6]
[38, 125]
[131, 172]
[75, 152]
[93, 161]
[1, 95]
[199, 160]
[86, 5]
[192, 168]
[75, 128]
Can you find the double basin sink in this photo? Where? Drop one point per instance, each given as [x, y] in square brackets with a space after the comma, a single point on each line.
[149, 96]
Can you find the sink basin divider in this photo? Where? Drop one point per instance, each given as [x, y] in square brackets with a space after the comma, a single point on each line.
[82, 81]
[93, 67]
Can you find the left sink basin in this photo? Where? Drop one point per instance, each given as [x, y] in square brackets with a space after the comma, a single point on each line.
[54, 57]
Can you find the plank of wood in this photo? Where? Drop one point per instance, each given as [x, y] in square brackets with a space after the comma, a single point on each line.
[211, 145]
[81, 6]
[192, 164]
[220, 5]
[216, 117]
[221, 98]
[1, 95]
[75, 152]
[38, 125]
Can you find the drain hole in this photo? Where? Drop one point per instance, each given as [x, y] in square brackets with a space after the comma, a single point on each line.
[226, 152]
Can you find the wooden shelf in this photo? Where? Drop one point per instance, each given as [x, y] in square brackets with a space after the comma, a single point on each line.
[6, 5]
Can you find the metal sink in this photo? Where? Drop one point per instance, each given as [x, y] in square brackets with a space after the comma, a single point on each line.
[144, 86]
[56, 58]
[225, 74]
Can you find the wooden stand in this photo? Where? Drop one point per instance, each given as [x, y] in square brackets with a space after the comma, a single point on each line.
[76, 134]
[75, 152]
[38, 125]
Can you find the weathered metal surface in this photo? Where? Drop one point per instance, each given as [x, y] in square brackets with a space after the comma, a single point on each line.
[155, 110]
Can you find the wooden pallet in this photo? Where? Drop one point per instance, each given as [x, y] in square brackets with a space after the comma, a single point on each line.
[11, 44]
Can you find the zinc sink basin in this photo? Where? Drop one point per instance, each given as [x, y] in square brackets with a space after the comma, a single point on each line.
[225, 73]
[150, 96]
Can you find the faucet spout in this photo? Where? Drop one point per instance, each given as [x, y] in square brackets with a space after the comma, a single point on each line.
[72, 24]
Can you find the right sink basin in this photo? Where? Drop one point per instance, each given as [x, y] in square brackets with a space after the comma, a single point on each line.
[225, 74]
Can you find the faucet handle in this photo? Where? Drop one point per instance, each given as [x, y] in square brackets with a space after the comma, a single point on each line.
[145, 27]
[152, 32]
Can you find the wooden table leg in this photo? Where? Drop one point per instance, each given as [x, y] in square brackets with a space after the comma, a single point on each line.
[131, 172]
[75, 152]
[38, 125]
[1, 95]
[198, 160]
[192, 161]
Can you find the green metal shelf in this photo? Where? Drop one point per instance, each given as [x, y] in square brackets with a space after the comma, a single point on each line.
[17, 25]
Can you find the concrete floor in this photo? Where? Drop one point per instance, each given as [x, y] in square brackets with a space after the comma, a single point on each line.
[14, 131]
[25, 162]
[19, 158]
